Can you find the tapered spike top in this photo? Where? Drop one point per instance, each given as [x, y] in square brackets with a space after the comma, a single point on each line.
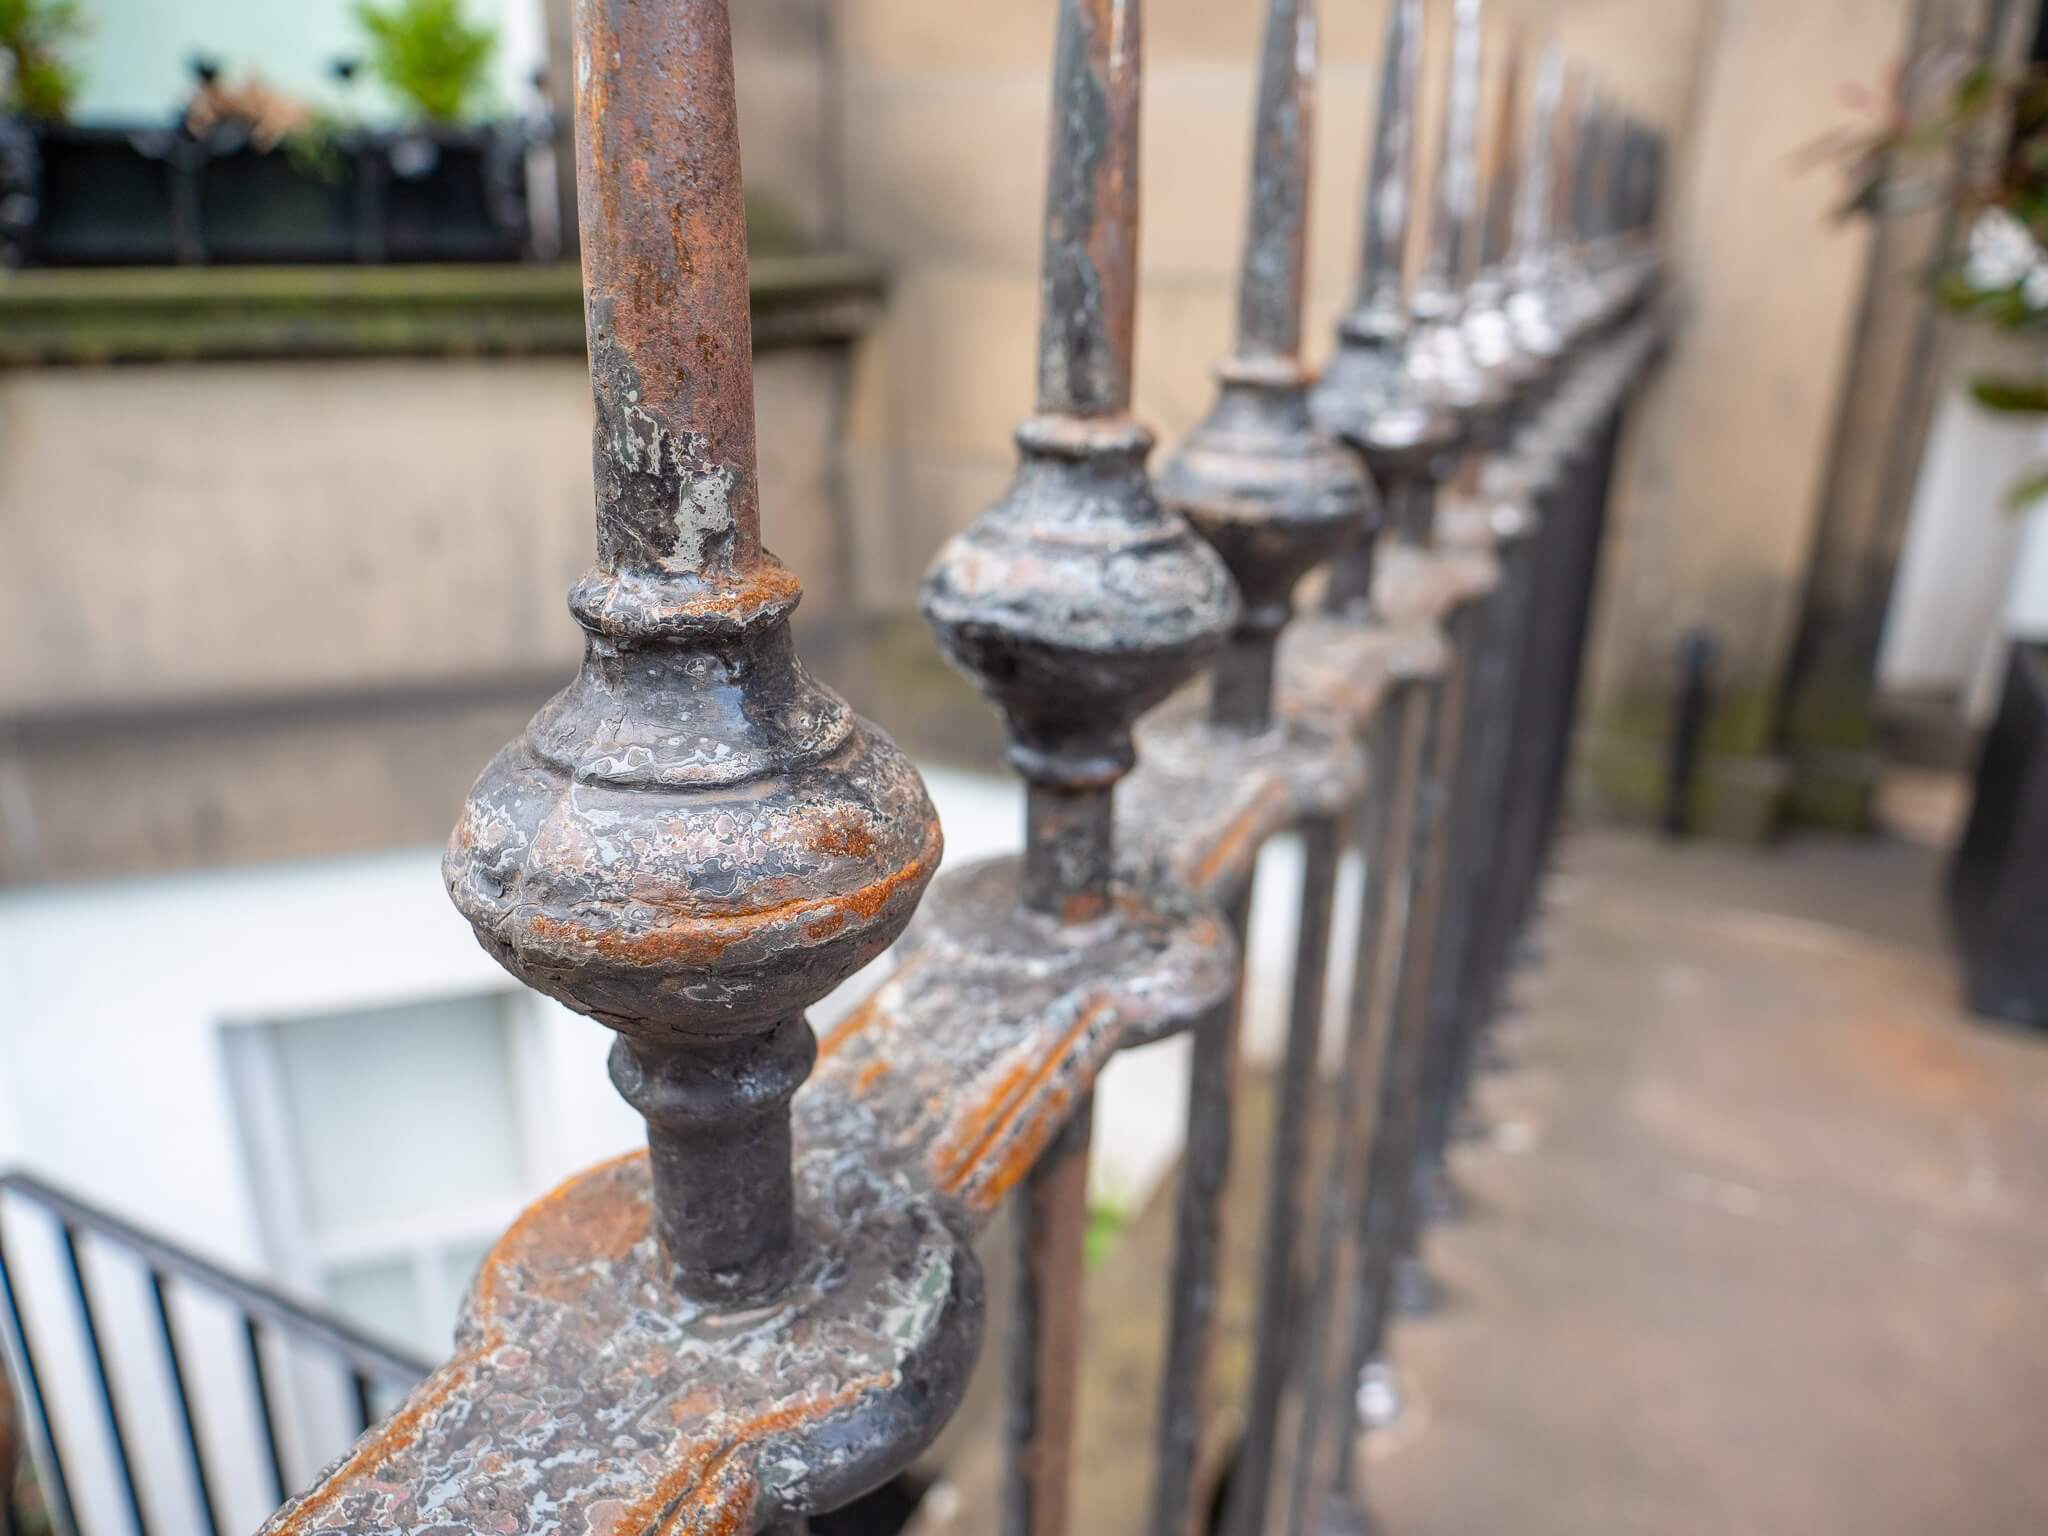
[1535, 201]
[1488, 330]
[1503, 163]
[1475, 388]
[1274, 496]
[1452, 232]
[1390, 175]
[1532, 263]
[1088, 287]
[1078, 602]
[1373, 396]
[665, 292]
[1275, 272]
[693, 841]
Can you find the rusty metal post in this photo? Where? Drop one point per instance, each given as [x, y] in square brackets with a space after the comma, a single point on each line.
[1481, 400]
[693, 841]
[1276, 498]
[1393, 414]
[1076, 603]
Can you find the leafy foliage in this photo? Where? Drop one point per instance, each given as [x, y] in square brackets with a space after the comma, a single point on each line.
[1937, 142]
[428, 55]
[40, 84]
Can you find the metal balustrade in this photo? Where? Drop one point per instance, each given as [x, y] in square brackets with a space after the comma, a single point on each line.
[276, 1335]
[776, 1309]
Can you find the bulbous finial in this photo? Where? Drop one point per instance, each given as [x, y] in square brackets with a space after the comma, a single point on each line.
[1441, 351]
[1370, 396]
[1078, 602]
[1273, 495]
[693, 841]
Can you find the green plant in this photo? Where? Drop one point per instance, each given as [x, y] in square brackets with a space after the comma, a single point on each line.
[40, 84]
[428, 55]
[1936, 142]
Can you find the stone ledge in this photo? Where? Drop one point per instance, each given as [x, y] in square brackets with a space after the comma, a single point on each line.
[184, 314]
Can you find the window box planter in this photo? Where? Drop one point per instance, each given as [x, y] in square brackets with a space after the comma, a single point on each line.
[111, 196]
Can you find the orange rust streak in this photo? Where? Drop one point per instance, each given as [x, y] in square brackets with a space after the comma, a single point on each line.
[1231, 850]
[848, 1027]
[699, 1500]
[388, 1438]
[870, 1075]
[956, 1145]
[690, 1481]
[698, 939]
[402, 1428]
[1014, 1109]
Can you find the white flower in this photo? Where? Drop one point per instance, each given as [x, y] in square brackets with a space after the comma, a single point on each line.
[2002, 253]
[2034, 291]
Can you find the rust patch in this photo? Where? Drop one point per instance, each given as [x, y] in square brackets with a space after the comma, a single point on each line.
[848, 1027]
[845, 835]
[1236, 846]
[699, 939]
[1015, 1097]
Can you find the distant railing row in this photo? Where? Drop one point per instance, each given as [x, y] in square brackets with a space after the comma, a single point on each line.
[777, 1309]
[59, 1303]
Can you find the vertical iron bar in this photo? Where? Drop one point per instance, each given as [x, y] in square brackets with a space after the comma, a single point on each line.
[1384, 1068]
[183, 1388]
[1197, 1255]
[1088, 284]
[1423, 954]
[266, 1409]
[1475, 839]
[1344, 1175]
[1251, 1482]
[1388, 792]
[366, 1411]
[1045, 1345]
[106, 1384]
[1075, 637]
[32, 1380]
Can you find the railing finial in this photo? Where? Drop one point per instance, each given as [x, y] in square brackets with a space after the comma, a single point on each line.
[1078, 602]
[1371, 396]
[1390, 177]
[1451, 238]
[693, 841]
[1274, 496]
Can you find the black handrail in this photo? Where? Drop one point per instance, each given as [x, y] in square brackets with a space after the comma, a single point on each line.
[368, 1361]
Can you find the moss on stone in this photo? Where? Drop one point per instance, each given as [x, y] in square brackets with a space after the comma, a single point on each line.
[56, 316]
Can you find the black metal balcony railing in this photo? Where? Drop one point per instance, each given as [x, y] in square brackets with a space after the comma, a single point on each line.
[278, 1338]
[776, 1309]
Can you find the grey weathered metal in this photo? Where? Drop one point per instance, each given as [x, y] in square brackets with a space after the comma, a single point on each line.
[693, 841]
[1276, 498]
[1077, 603]
[1256, 479]
[1370, 395]
[776, 1309]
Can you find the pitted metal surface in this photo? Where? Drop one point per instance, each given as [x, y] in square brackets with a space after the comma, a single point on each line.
[587, 1395]
[993, 1026]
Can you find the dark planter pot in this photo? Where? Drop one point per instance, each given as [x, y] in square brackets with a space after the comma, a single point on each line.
[91, 197]
[72, 196]
[1998, 884]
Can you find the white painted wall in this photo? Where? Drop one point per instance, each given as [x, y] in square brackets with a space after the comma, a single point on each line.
[1959, 570]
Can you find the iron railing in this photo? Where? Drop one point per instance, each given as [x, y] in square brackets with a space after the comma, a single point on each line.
[777, 1308]
[274, 1333]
